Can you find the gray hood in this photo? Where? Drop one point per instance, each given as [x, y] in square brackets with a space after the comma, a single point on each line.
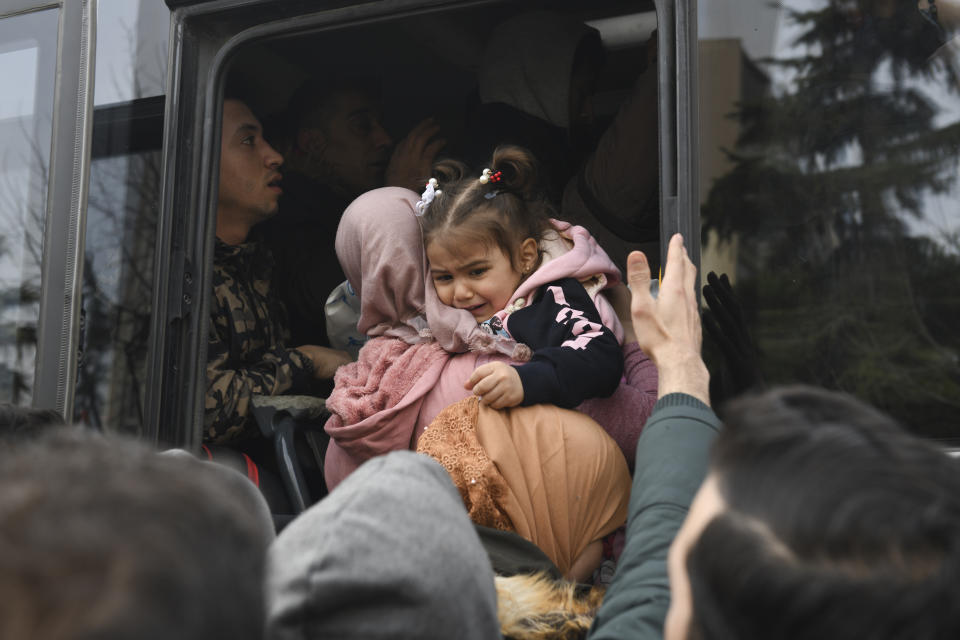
[390, 553]
[528, 62]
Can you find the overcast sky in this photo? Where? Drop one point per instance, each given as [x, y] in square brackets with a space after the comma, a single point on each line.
[130, 33]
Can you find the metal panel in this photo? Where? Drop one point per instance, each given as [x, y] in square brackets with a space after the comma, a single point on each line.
[666, 62]
[176, 4]
[688, 128]
[679, 126]
[58, 333]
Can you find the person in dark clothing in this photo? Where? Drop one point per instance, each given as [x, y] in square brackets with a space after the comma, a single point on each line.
[336, 149]
[248, 352]
[536, 82]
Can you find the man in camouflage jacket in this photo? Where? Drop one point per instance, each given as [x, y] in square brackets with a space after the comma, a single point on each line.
[247, 352]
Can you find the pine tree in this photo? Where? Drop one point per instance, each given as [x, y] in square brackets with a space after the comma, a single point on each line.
[830, 178]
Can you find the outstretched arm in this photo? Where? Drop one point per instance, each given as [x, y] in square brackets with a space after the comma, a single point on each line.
[672, 452]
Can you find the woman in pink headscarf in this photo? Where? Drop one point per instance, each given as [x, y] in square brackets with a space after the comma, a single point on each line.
[412, 369]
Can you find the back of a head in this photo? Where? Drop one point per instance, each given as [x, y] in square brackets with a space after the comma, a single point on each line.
[837, 524]
[390, 553]
[312, 104]
[107, 539]
[380, 251]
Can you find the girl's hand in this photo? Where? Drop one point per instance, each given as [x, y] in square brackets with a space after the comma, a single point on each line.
[498, 385]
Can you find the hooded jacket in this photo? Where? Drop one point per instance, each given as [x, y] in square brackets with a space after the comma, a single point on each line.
[390, 553]
[247, 351]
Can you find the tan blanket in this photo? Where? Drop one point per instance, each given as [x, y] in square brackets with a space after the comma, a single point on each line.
[551, 475]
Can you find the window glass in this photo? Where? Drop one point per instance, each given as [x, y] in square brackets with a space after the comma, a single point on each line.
[122, 213]
[28, 49]
[117, 290]
[131, 50]
[830, 192]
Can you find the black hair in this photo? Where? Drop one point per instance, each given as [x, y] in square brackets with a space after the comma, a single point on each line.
[19, 424]
[315, 98]
[837, 524]
[504, 212]
[236, 88]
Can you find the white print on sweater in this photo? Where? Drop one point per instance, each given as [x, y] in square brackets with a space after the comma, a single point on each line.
[583, 329]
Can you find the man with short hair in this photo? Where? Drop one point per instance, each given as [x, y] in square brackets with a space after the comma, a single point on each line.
[248, 353]
[337, 149]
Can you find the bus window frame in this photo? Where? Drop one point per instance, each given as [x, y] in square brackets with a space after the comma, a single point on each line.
[58, 330]
[183, 270]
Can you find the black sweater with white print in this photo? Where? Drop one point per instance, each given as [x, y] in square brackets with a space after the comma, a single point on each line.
[575, 357]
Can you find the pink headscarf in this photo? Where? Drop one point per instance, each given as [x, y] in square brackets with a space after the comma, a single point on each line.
[376, 401]
[381, 252]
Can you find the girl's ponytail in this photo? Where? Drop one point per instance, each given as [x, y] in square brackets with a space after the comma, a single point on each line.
[518, 170]
[448, 171]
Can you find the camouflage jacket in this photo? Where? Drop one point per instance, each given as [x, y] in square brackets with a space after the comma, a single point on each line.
[247, 353]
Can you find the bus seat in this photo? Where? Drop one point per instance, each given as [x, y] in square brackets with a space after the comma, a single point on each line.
[268, 484]
[295, 425]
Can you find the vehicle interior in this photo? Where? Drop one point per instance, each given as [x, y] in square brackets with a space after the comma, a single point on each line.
[425, 64]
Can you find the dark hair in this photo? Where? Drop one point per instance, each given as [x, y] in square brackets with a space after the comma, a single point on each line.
[19, 424]
[236, 87]
[313, 101]
[837, 524]
[465, 208]
[104, 538]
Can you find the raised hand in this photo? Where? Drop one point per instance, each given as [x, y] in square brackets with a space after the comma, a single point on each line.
[668, 327]
[725, 326]
[413, 156]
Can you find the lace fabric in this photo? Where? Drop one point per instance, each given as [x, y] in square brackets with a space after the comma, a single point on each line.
[452, 440]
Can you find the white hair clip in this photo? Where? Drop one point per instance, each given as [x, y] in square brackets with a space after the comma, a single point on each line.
[427, 197]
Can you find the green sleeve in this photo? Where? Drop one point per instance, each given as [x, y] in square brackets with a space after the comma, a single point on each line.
[671, 463]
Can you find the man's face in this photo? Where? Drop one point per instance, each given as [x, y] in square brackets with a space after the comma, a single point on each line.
[249, 167]
[352, 148]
